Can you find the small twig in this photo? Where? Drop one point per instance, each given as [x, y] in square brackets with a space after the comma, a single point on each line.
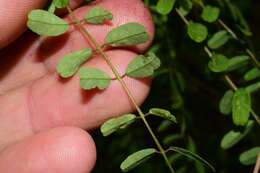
[257, 166]
[182, 17]
[253, 57]
[94, 43]
[229, 30]
[230, 82]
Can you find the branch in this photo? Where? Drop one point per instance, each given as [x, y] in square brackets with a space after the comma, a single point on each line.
[94, 43]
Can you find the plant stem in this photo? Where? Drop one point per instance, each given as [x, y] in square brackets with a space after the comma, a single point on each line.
[257, 165]
[248, 51]
[122, 82]
[234, 87]
[182, 17]
[229, 30]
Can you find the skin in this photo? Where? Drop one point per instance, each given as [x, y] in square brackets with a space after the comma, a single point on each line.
[42, 116]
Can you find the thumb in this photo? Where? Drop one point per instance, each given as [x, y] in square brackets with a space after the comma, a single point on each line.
[63, 149]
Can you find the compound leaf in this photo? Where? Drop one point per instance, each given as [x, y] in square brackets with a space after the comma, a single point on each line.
[136, 159]
[143, 66]
[98, 15]
[91, 78]
[127, 35]
[115, 124]
[70, 63]
[46, 24]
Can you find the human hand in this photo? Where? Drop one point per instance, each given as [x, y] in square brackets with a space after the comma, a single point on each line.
[42, 116]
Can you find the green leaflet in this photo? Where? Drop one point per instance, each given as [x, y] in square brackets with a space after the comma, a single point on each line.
[233, 137]
[61, 3]
[91, 78]
[218, 63]
[143, 66]
[218, 39]
[249, 157]
[70, 63]
[164, 126]
[252, 74]
[127, 35]
[197, 32]
[253, 87]
[165, 6]
[115, 124]
[136, 159]
[46, 24]
[52, 8]
[185, 7]
[237, 61]
[210, 14]
[168, 140]
[241, 107]
[192, 156]
[225, 105]
[163, 113]
[98, 15]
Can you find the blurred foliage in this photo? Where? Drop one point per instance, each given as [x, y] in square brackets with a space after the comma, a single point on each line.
[186, 85]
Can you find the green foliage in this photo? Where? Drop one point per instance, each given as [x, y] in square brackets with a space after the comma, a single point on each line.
[218, 63]
[225, 105]
[252, 74]
[98, 15]
[218, 39]
[61, 3]
[163, 113]
[127, 35]
[233, 137]
[46, 24]
[210, 14]
[143, 66]
[192, 156]
[165, 6]
[185, 6]
[115, 124]
[93, 78]
[249, 157]
[70, 63]
[136, 159]
[183, 84]
[241, 107]
[197, 32]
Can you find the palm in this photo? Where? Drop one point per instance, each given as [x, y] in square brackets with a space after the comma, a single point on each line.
[41, 114]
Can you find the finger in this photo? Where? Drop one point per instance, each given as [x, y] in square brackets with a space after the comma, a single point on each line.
[64, 150]
[51, 101]
[13, 17]
[30, 59]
